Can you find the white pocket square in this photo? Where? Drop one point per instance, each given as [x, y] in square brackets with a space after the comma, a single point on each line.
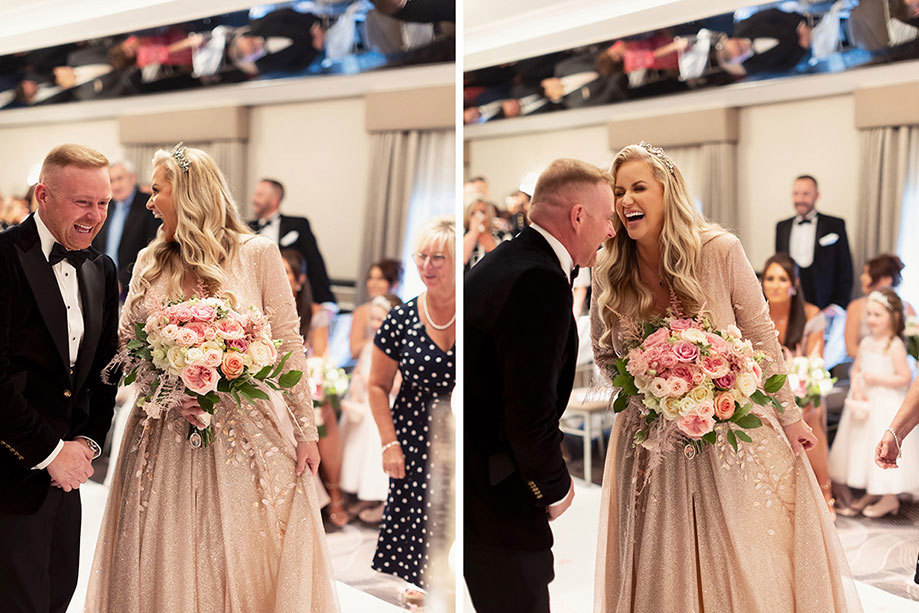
[291, 237]
[828, 239]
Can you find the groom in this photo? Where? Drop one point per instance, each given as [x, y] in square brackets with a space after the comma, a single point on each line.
[521, 349]
[58, 329]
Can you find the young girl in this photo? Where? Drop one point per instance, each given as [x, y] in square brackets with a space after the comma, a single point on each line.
[880, 378]
[362, 456]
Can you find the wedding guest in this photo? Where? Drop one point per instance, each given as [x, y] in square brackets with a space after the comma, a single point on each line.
[284, 40]
[881, 272]
[665, 501]
[518, 207]
[476, 185]
[295, 267]
[130, 226]
[362, 453]
[879, 378]
[768, 41]
[481, 235]
[13, 211]
[382, 278]
[418, 340]
[244, 506]
[819, 246]
[801, 327]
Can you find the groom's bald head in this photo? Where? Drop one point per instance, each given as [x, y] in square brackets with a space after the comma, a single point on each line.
[561, 185]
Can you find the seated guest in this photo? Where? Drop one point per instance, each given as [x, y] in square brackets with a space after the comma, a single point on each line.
[284, 40]
[362, 452]
[881, 272]
[382, 278]
[129, 226]
[577, 83]
[801, 327]
[481, 235]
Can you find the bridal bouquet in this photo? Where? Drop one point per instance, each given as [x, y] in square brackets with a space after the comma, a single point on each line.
[695, 377]
[205, 349]
[809, 380]
[911, 334]
[329, 385]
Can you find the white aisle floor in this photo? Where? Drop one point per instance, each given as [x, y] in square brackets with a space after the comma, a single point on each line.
[575, 553]
[93, 498]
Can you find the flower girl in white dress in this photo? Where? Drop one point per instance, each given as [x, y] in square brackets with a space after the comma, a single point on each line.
[880, 377]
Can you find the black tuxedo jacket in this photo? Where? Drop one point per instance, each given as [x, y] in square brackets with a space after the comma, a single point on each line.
[831, 271]
[521, 349]
[772, 23]
[140, 228]
[43, 400]
[295, 233]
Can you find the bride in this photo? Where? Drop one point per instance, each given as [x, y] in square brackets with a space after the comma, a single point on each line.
[718, 531]
[234, 526]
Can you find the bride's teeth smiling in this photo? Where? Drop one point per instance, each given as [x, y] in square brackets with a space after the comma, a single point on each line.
[634, 216]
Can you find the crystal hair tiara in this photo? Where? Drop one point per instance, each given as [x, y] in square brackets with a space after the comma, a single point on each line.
[659, 153]
[179, 154]
[880, 298]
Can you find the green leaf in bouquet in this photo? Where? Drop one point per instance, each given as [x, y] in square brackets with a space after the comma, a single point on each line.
[135, 343]
[224, 385]
[741, 412]
[710, 438]
[743, 436]
[802, 402]
[245, 396]
[290, 378]
[277, 369]
[774, 383]
[732, 440]
[321, 429]
[206, 403]
[778, 406]
[260, 375]
[760, 398]
[622, 401]
[648, 329]
[651, 417]
[235, 395]
[271, 384]
[749, 422]
[640, 437]
[252, 392]
[130, 377]
[140, 331]
[144, 352]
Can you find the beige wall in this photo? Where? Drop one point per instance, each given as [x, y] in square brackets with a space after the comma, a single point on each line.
[777, 142]
[23, 148]
[320, 152]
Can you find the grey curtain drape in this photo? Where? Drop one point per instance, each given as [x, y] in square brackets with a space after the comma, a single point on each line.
[888, 159]
[230, 156]
[710, 171]
[393, 164]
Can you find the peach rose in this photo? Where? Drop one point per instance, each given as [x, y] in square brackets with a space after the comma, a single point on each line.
[724, 405]
[233, 364]
[696, 425]
[200, 379]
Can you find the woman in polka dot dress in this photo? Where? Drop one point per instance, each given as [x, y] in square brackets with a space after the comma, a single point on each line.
[417, 340]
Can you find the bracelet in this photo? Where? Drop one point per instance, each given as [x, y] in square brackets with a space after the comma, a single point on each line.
[896, 439]
[388, 445]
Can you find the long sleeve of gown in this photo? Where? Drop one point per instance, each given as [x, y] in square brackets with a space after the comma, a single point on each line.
[752, 315]
[279, 307]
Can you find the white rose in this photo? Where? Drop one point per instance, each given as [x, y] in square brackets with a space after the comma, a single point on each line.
[194, 356]
[205, 418]
[746, 383]
[687, 404]
[171, 331]
[650, 402]
[176, 358]
[658, 387]
[693, 335]
[701, 393]
[671, 408]
[739, 396]
[260, 354]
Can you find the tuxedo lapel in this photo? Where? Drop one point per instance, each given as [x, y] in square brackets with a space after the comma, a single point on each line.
[92, 289]
[45, 289]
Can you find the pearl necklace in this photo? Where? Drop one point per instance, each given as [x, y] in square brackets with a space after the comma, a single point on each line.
[424, 309]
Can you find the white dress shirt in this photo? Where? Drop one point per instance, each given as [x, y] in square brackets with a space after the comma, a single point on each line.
[272, 229]
[802, 240]
[69, 285]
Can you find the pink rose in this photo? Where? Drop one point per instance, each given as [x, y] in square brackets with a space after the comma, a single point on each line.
[696, 425]
[198, 328]
[682, 324]
[186, 337]
[757, 370]
[200, 379]
[213, 357]
[684, 351]
[668, 360]
[677, 386]
[718, 344]
[657, 337]
[727, 380]
[715, 365]
[239, 344]
[233, 364]
[202, 312]
[724, 405]
[683, 371]
[697, 377]
[182, 312]
[637, 364]
[230, 329]
[210, 333]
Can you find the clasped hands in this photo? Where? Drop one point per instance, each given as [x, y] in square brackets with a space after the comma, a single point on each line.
[73, 465]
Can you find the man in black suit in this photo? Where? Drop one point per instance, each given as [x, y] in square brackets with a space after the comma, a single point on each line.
[819, 246]
[521, 348]
[129, 226]
[291, 233]
[58, 330]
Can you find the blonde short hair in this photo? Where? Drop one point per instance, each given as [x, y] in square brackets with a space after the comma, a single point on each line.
[564, 172]
[71, 155]
[438, 231]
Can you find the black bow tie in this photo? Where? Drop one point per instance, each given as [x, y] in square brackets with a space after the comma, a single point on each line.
[263, 222]
[808, 220]
[574, 274]
[76, 258]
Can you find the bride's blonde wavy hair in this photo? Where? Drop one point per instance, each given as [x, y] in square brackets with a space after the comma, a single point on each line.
[681, 248]
[207, 233]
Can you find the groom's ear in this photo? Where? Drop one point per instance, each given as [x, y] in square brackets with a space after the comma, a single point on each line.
[576, 215]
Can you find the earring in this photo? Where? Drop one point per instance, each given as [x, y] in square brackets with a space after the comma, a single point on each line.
[794, 292]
